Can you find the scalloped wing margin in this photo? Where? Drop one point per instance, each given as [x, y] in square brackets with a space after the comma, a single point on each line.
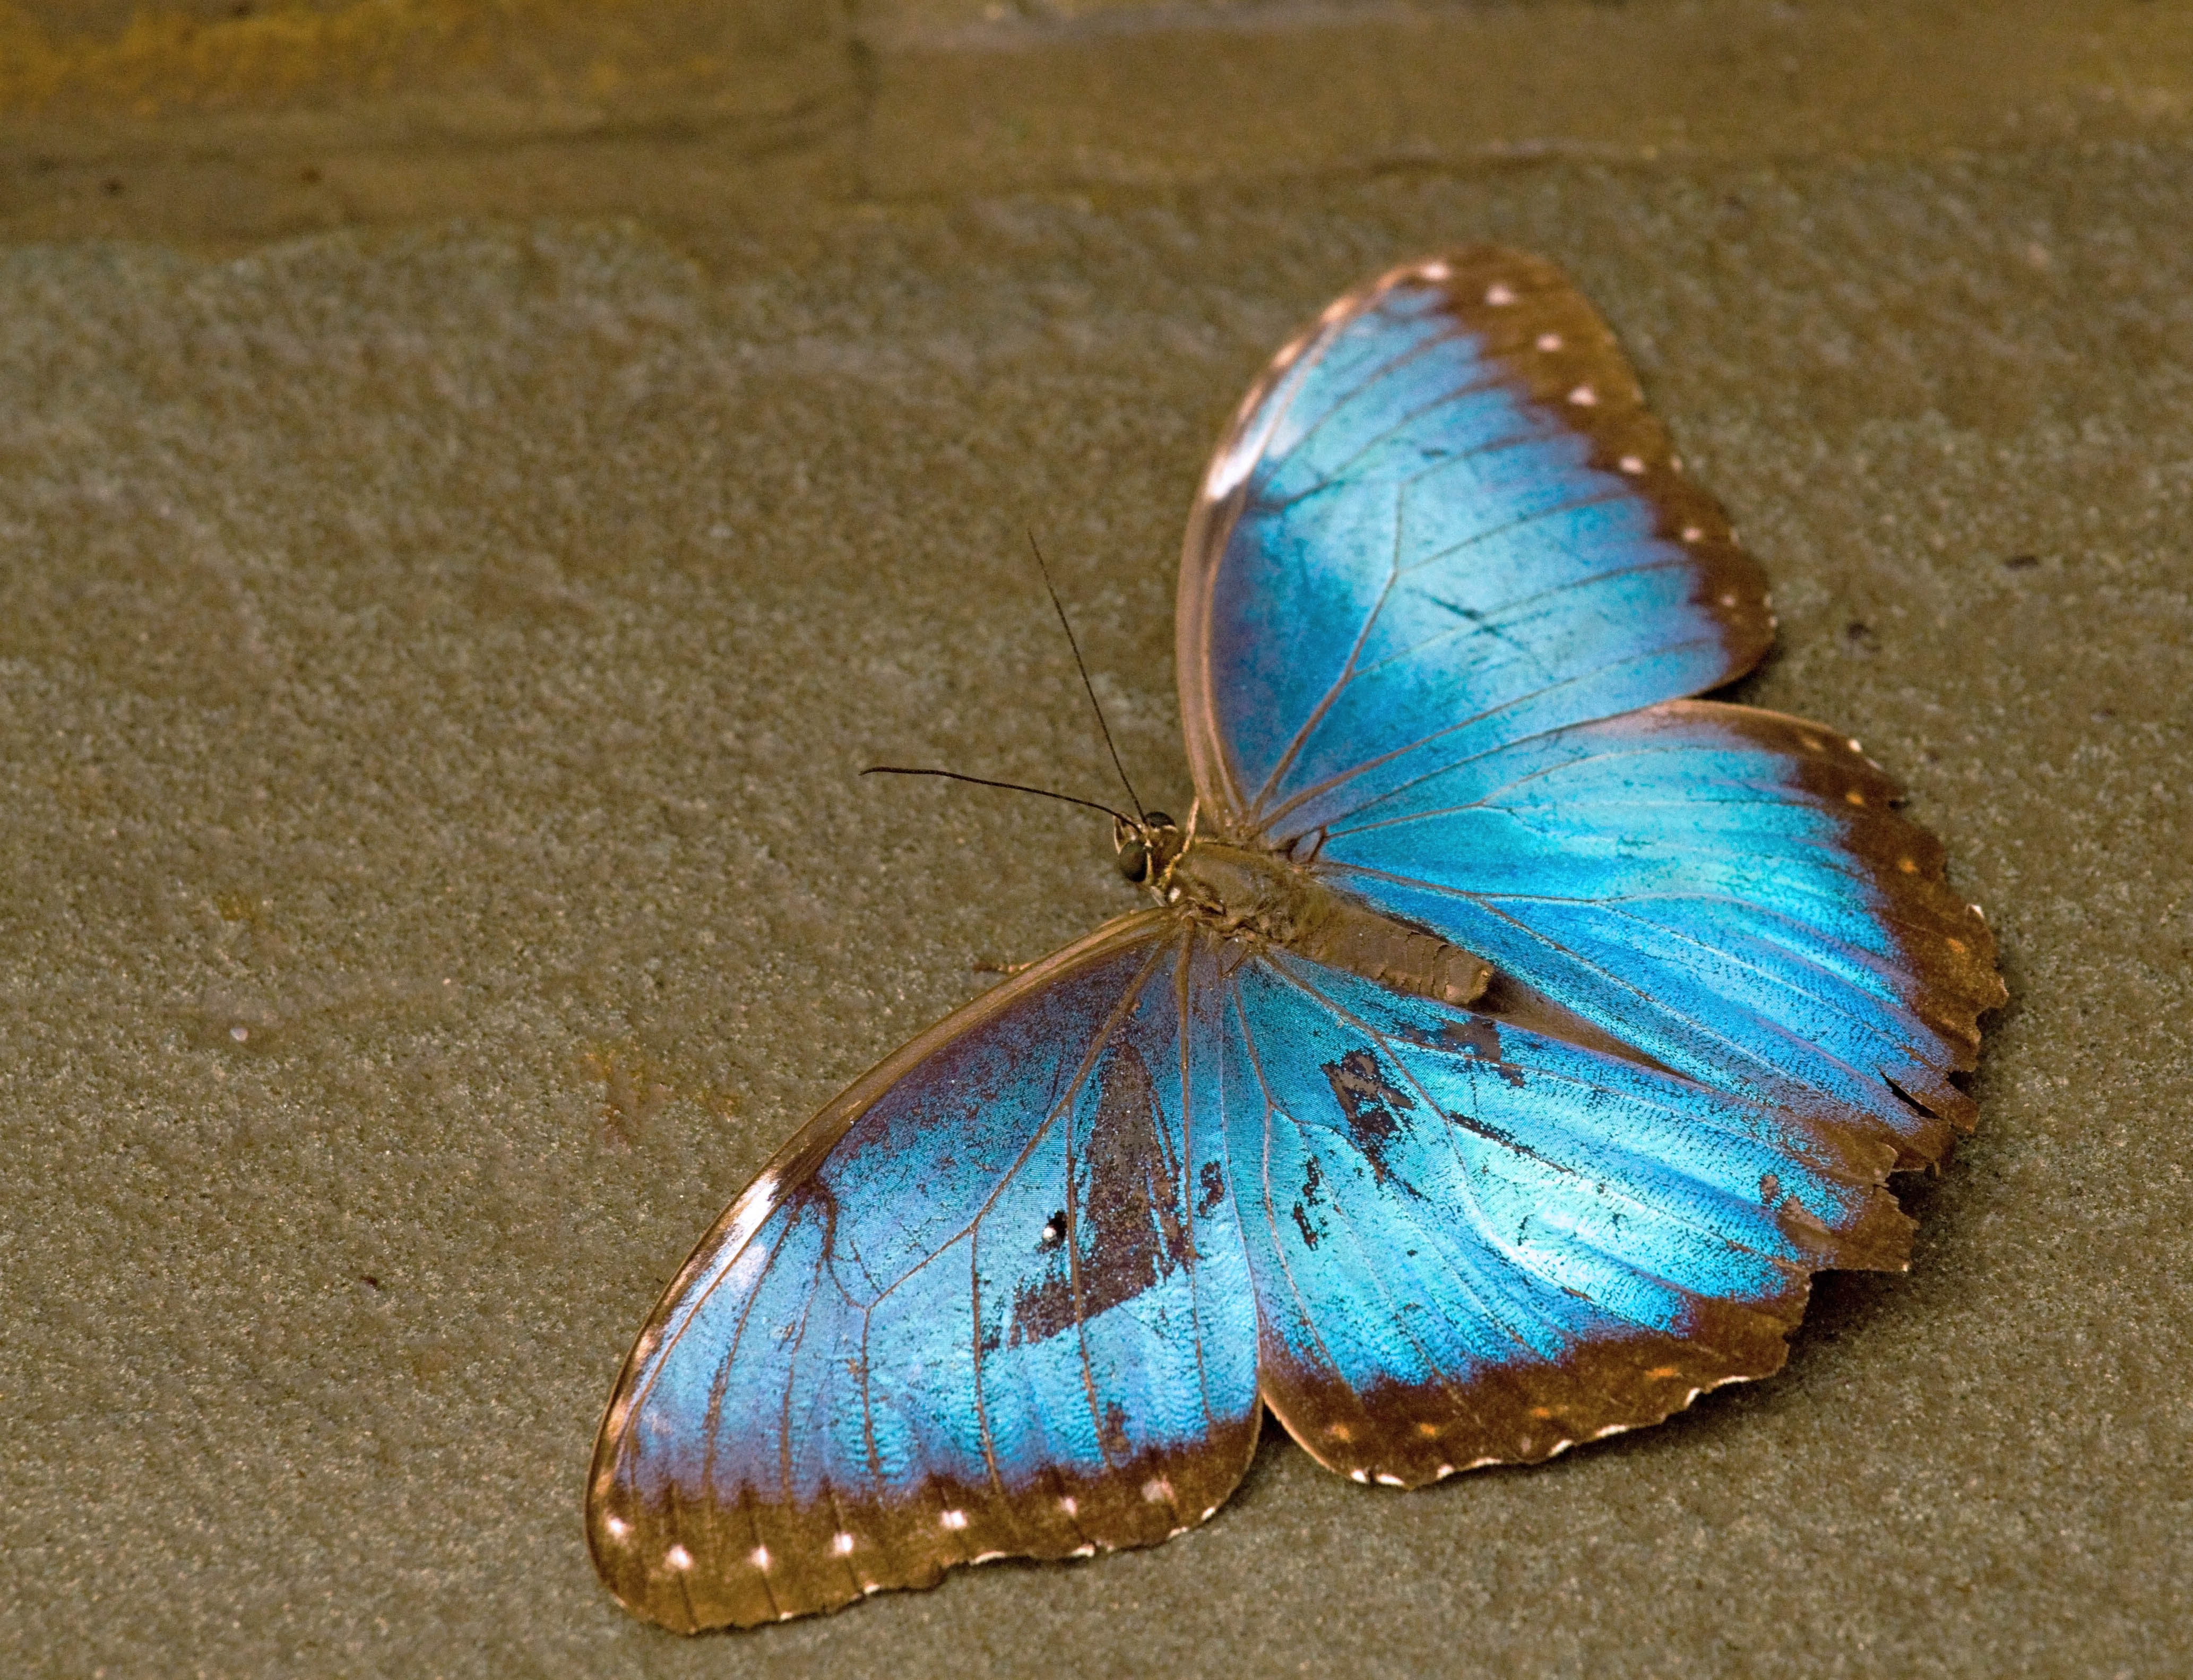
[992, 1302]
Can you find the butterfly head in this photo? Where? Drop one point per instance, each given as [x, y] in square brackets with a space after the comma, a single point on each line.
[1147, 848]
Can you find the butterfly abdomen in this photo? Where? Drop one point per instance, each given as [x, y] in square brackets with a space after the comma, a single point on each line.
[1244, 893]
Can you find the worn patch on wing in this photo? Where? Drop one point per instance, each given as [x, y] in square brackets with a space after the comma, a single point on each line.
[1128, 1228]
[1372, 1105]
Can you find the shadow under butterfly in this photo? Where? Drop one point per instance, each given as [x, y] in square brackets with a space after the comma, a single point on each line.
[1508, 1040]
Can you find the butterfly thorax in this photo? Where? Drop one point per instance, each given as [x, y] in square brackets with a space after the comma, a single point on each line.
[1247, 893]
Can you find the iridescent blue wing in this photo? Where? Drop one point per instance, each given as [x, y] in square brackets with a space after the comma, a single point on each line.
[1474, 1243]
[1727, 891]
[992, 1301]
[1442, 521]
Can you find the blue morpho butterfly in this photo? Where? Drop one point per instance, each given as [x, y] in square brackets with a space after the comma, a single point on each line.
[1508, 1040]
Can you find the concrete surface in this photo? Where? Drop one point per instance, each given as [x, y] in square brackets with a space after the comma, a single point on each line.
[463, 523]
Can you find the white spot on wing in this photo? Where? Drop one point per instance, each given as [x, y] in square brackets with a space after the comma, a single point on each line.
[1631, 465]
[1067, 1506]
[1499, 294]
[1156, 1488]
[955, 1519]
[1391, 1481]
[1435, 271]
[760, 1556]
[1549, 340]
[678, 1557]
[617, 1526]
[1583, 396]
[841, 1544]
[1359, 1475]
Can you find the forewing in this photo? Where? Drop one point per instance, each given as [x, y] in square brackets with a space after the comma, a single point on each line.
[1442, 521]
[1729, 891]
[992, 1301]
[1474, 1244]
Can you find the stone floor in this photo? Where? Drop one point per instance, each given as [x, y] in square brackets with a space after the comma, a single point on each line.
[476, 483]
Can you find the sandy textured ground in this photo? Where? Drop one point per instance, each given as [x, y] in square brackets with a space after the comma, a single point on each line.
[462, 526]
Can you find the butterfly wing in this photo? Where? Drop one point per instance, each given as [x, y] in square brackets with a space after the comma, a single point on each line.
[1474, 1244]
[1727, 890]
[1443, 520]
[992, 1300]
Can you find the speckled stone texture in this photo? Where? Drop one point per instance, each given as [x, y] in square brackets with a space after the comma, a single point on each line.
[435, 659]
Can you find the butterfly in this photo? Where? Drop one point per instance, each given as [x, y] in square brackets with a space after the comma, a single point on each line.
[1507, 1038]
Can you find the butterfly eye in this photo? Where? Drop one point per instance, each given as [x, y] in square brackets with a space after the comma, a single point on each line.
[1159, 845]
[1135, 861]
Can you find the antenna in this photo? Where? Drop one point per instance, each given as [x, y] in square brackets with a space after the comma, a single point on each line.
[1070, 641]
[1010, 787]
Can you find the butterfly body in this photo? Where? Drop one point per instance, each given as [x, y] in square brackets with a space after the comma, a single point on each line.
[1260, 898]
[1509, 1039]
